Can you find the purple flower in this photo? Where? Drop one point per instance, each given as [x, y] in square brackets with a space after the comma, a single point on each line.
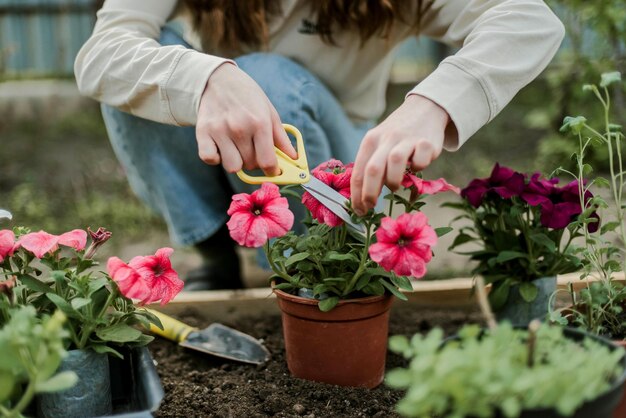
[559, 205]
[503, 181]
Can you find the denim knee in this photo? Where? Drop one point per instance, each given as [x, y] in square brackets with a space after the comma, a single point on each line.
[291, 88]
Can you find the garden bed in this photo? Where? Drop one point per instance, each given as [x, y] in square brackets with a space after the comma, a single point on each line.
[200, 385]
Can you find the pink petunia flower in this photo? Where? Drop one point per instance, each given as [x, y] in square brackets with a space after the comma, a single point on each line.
[257, 217]
[431, 187]
[7, 244]
[76, 239]
[42, 243]
[403, 244]
[39, 243]
[147, 278]
[337, 175]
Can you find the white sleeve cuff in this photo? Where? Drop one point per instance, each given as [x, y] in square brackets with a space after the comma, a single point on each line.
[184, 84]
[462, 96]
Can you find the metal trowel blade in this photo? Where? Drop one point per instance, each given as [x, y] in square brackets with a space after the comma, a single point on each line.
[222, 341]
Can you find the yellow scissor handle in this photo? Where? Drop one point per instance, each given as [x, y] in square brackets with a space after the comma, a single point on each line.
[173, 329]
[291, 171]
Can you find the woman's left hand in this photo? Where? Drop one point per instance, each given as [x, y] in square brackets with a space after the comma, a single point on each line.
[413, 134]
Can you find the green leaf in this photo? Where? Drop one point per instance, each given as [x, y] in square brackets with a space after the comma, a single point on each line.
[119, 333]
[574, 124]
[443, 231]
[460, 240]
[505, 256]
[96, 284]
[610, 78]
[499, 294]
[398, 378]
[609, 226]
[58, 382]
[402, 282]
[528, 291]
[328, 303]
[362, 282]
[399, 344]
[543, 239]
[78, 303]
[7, 383]
[103, 348]
[335, 256]
[334, 280]
[394, 290]
[601, 182]
[294, 258]
[63, 305]
[34, 284]
[283, 286]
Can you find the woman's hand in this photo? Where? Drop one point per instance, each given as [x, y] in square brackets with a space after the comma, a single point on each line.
[237, 125]
[413, 134]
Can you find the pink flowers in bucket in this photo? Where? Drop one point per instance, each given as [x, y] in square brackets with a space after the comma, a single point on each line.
[57, 272]
[330, 261]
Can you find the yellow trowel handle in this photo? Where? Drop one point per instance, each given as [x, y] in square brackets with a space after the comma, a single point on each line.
[173, 329]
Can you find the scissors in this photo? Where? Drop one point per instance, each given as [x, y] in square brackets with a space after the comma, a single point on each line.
[297, 172]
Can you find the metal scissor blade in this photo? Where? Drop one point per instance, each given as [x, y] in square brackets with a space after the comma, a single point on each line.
[333, 200]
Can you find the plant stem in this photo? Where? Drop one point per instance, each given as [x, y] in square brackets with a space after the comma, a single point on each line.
[362, 263]
[280, 272]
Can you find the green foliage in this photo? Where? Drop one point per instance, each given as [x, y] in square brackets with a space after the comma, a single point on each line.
[599, 307]
[334, 262]
[514, 247]
[483, 375]
[32, 350]
[595, 34]
[99, 317]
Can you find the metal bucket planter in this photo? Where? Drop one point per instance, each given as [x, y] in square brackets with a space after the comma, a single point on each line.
[345, 346]
[135, 387]
[519, 312]
[90, 397]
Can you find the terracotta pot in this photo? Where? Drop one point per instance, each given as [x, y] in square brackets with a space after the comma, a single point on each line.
[346, 346]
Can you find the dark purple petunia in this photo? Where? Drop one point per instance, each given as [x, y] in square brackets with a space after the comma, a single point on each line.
[559, 205]
[503, 181]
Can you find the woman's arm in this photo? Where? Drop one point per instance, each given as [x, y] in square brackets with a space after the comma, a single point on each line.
[123, 65]
[505, 45]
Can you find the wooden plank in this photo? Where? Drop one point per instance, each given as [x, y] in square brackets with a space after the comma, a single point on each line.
[226, 305]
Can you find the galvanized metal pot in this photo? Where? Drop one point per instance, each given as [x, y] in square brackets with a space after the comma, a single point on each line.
[90, 397]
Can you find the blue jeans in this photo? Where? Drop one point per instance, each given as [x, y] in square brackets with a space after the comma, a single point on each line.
[164, 170]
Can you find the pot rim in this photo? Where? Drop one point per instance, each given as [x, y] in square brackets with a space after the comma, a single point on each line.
[306, 301]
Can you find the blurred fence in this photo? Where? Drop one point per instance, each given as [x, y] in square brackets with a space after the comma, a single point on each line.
[42, 37]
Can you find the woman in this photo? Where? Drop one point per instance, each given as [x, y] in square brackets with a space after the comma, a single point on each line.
[237, 70]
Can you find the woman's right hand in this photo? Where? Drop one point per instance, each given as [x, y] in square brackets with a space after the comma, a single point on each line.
[237, 125]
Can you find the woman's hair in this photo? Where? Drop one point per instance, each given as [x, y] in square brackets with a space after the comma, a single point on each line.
[238, 25]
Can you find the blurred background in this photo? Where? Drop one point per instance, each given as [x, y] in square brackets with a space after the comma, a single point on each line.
[58, 172]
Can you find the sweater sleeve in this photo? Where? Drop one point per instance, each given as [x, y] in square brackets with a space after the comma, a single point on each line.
[123, 65]
[504, 45]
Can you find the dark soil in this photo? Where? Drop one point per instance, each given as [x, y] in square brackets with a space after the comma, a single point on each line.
[198, 385]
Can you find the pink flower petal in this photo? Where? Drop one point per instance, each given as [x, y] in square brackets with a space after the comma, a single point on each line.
[128, 280]
[39, 243]
[257, 217]
[77, 239]
[7, 244]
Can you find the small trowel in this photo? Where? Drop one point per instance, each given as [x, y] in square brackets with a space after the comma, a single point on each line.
[217, 339]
